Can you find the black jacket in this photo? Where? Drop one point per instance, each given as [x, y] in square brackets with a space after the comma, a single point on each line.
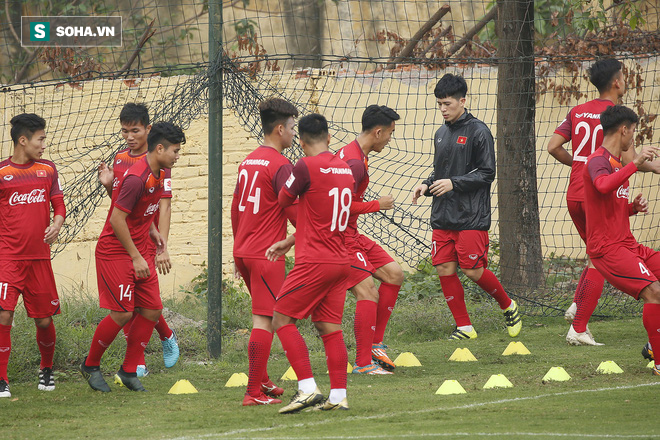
[464, 153]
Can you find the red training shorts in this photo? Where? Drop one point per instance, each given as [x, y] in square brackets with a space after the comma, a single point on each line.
[35, 281]
[366, 257]
[468, 248]
[264, 280]
[316, 289]
[121, 291]
[629, 269]
[576, 211]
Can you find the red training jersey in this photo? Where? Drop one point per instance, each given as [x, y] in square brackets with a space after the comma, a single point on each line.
[325, 186]
[26, 193]
[258, 220]
[124, 160]
[606, 203]
[138, 194]
[582, 127]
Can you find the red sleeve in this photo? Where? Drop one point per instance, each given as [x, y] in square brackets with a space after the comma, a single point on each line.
[605, 182]
[281, 176]
[291, 212]
[364, 207]
[130, 191]
[565, 129]
[55, 187]
[298, 181]
[58, 205]
[234, 214]
[359, 172]
[167, 185]
[286, 199]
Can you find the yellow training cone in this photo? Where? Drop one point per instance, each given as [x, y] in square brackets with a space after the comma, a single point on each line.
[407, 359]
[515, 347]
[462, 355]
[498, 381]
[289, 375]
[451, 387]
[609, 367]
[237, 380]
[556, 374]
[183, 387]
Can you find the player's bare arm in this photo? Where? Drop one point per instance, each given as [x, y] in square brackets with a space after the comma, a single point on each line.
[652, 166]
[280, 248]
[123, 234]
[648, 153]
[386, 202]
[419, 191]
[441, 186]
[52, 231]
[163, 262]
[640, 204]
[557, 150]
[106, 177]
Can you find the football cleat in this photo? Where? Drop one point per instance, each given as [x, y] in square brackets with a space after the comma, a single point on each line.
[302, 400]
[584, 338]
[170, 350]
[46, 380]
[94, 378]
[371, 369]
[656, 370]
[4, 389]
[513, 320]
[142, 371]
[379, 355]
[261, 400]
[325, 405]
[271, 390]
[569, 314]
[128, 380]
[647, 352]
[460, 334]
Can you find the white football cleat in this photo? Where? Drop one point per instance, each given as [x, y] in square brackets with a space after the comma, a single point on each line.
[569, 315]
[584, 338]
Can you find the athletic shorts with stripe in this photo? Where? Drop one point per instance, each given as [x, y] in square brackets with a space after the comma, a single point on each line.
[121, 291]
[316, 289]
[366, 257]
[629, 269]
[468, 248]
[264, 281]
[35, 281]
[576, 211]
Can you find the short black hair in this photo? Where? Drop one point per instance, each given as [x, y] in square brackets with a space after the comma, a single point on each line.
[26, 124]
[275, 111]
[602, 73]
[451, 85]
[313, 128]
[378, 116]
[615, 116]
[165, 133]
[133, 114]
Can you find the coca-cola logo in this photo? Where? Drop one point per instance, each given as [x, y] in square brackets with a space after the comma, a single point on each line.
[622, 193]
[34, 196]
[151, 209]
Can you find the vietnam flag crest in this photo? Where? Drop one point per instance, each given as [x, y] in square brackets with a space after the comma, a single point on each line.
[461, 140]
[41, 173]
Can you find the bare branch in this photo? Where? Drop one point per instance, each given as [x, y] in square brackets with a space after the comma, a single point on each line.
[474, 31]
[148, 33]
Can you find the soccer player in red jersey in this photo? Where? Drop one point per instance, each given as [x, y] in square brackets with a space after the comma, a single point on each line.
[463, 170]
[316, 285]
[626, 264]
[257, 222]
[374, 306]
[135, 126]
[582, 127]
[28, 187]
[125, 260]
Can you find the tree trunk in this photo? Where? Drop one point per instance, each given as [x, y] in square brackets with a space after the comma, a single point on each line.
[520, 240]
[303, 32]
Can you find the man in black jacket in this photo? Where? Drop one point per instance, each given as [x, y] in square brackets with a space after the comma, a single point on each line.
[463, 169]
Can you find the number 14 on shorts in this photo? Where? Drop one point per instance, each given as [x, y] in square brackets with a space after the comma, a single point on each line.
[125, 291]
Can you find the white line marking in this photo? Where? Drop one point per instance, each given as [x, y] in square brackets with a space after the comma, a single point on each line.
[236, 432]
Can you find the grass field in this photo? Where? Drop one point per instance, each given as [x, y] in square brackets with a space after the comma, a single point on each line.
[590, 405]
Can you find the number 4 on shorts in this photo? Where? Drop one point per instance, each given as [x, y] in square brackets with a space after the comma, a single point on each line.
[644, 270]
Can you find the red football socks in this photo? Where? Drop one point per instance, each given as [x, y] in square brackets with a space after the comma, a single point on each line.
[258, 352]
[455, 296]
[589, 291]
[364, 327]
[336, 358]
[493, 287]
[651, 321]
[5, 349]
[105, 333]
[46, 343]
[164, 330]
[295, 350]
[138, 338]
[578, 289]
[387, 296]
